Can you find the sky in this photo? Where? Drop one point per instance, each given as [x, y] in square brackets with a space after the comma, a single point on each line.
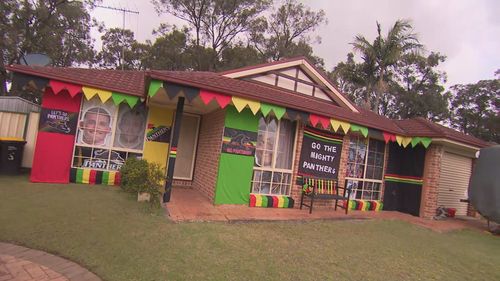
[467, 32]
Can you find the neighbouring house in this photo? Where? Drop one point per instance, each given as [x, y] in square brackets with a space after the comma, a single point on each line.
[247, 136]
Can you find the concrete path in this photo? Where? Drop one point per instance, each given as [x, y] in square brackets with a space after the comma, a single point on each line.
[24, 264]
[189, 205]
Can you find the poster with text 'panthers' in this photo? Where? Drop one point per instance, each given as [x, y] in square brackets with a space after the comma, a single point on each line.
[239, 142]
[58, 121]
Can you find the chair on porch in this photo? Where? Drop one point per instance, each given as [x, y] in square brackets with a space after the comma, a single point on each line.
[315, 188]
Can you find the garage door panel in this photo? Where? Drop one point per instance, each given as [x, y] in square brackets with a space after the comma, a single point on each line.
[454, 181]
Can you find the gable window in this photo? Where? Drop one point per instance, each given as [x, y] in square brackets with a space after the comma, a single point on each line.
[272, 173]
[107, 135]
[365, 166]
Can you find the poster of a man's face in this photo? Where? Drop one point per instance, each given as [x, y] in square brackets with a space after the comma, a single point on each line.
[131, 127]
[95, 123]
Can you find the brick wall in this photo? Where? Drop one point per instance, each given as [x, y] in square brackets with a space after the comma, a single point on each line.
[182, 183]
[432, 171]
[208, 153]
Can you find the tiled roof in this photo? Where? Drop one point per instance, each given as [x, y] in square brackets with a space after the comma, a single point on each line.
[423, 127]
[133, 83]
[214, 82]
[124, 81]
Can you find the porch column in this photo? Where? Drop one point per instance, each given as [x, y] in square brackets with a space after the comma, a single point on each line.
[173, 149]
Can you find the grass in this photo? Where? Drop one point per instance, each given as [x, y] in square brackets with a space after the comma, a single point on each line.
[105, 230]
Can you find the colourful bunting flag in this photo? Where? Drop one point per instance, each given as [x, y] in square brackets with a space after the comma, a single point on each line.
[406, 141]
[207, 96]
[361, 129]
[415, 141]
[119, 98]
[425, 141]
[399, 140]
[90, 92]
[389, 137]
[241, 103]
[58, 86]
[154, 86]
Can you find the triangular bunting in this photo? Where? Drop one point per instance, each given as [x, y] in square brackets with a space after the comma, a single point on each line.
[314, 119]
[325, 122]
[361, 129]
[426, 142]
[222, 100]
[265, 109]
[345, 126]
[117, 98]
[388, 137]
[415, 141]
[254, 106]
[91, 92]
[296, 115]
[279, 111]
[399, 140]
[376, 134]
[406, 141]
[172, 89]
[22, 81]
[190, 93]
[239, 103]
[58, 86]
[154, 86]
[335, 124]
[131, 100]
[206, 96]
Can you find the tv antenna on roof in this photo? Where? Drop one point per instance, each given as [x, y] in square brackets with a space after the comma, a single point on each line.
[123, 26]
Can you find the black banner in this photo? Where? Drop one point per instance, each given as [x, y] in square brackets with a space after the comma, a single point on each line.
[239, 142]
[320, 154]
[158, 134]
[58, 121]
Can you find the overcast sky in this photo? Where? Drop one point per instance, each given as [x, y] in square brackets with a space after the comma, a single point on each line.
[466, 31]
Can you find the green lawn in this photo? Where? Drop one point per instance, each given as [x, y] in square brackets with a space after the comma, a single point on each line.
[105, 230]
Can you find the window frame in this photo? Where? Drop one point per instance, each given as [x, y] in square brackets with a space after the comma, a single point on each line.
[111, 147]
[273, 168]
[364, 180]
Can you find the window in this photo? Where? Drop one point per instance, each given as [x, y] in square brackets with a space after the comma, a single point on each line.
[274, 157]
[107, 134]
[365, 166]
[186, 148]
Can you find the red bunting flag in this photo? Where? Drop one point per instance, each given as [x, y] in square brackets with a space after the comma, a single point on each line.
[58, 86]
[207, 96]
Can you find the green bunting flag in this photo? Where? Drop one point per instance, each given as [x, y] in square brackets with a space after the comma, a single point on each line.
[361, 129]
[278, 110]
[426, 142]
[119, 98]
[154, 86]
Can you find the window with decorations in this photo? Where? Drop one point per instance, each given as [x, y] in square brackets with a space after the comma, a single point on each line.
[365, 167]
[108, 134]
[272, 173]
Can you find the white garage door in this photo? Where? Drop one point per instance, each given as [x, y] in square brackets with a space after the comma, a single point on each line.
[454, 182]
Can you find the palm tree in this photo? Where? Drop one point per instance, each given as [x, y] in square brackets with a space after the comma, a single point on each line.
[383, 54]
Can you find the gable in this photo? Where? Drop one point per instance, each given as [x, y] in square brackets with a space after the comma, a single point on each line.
[293, 79]
[296, 75]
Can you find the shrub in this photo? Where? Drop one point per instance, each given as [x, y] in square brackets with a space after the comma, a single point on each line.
[138, 175]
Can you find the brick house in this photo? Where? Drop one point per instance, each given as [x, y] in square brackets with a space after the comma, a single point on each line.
[244, 134]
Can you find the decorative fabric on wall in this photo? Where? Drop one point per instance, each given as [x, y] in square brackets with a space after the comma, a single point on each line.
[235, 171]
[88, 176]
[53, 151]
[320, 154]
[364, 205]
[156, 149]
[271, 201]
[403, 179]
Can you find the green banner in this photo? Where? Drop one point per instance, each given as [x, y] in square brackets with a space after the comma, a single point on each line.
[235, 171]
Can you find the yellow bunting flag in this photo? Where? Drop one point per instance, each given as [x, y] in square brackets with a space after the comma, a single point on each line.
[345, 126]
[399, 140]
[241, 103]
[335, 124]
[91, 92]
[406, 141]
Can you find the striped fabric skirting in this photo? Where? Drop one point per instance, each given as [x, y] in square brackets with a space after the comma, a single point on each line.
[89, 176]
[268, 201]
[365, 205]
